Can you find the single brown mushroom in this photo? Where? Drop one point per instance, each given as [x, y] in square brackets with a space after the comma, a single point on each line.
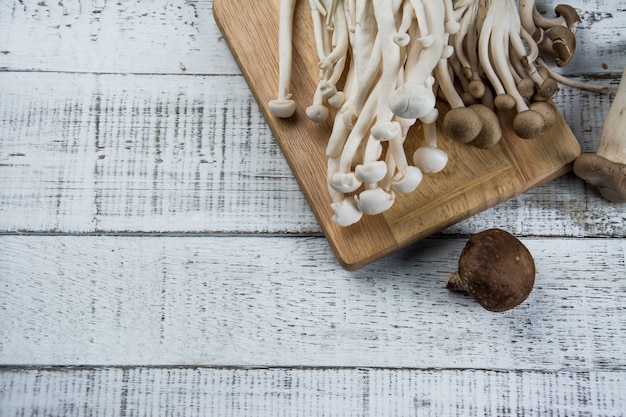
[496, 269]
[606, 169]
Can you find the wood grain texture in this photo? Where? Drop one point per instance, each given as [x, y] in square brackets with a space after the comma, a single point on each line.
[156, 37]
[284, 302]
[144, 153]
[472, 181]
[288, 392]
[129, 117]
[106, 36]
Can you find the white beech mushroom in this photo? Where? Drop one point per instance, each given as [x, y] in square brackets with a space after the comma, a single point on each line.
[395, 58]
[284, 106]
[606, 169]
[380, 45]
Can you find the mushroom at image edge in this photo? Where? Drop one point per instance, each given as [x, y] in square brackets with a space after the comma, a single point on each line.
[606, 169]
[496, 269]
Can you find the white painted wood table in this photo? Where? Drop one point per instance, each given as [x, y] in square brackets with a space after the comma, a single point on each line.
[158, 258]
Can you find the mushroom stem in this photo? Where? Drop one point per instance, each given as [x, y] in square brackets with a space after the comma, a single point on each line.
[612, 140]
[606, 169]
[283, 106]
[455, 283]
[568, 81]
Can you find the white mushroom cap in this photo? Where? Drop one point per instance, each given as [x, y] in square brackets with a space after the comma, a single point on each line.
[412, 101]
[344, 182]
[371, 171]
[402, 39]
[346, 212]
[328, 89]
[337, 99]
[430, 159]
[374, 201]
[387, 131]
[407, 181]
[282, 108]
[317, 113]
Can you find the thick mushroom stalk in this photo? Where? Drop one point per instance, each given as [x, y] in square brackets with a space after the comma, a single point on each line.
[606, 169]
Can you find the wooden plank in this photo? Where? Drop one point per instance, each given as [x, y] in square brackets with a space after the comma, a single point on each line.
[308, 392]
[156, 37]
[127, 153]
[255, 301]
[473, 180]
[131, 154]
[104, 36]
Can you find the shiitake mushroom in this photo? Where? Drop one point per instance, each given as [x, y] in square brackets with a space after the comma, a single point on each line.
[496, 269]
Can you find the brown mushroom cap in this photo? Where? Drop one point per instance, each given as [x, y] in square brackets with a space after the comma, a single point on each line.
[563, 44]
[547, 111]
[462, 124]
[608, 176]
[569, 14]
[528, 124]
[496, 269]
[491, 132]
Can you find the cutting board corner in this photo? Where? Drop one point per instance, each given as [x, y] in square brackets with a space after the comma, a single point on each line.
[496, 175]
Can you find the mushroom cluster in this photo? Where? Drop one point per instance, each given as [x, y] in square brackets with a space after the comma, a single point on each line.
[385, 64]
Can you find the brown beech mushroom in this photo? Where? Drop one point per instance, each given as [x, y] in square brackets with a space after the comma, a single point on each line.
[283, 106]
[496, 269]
[606, 169]
[556, 35]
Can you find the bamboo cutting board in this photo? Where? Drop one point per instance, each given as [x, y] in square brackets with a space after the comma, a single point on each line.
[474, 179]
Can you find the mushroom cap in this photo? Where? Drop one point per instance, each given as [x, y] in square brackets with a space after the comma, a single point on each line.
[526, 87]
[569, 14]
[497, 270]
[407, 181]
[563, 44]
[317, 113]
[491, 133]
[344, 182]
[282, 108]
[383, 131]
[607, 175]
[373, 171]
[346, 212]
[374, 201]
[462, 124]
[412, 101]
[430, 159]
[476, 88]
[548, 88]
[528, 124]
[337, 100]
[546, 110]
[504, 101]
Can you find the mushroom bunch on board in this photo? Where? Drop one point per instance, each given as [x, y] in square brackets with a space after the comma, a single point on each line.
[395, 60]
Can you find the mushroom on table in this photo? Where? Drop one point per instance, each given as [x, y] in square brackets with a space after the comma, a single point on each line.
[496, 269]
[606, 169]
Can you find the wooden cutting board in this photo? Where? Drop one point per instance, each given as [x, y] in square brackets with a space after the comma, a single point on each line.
[474, 180]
